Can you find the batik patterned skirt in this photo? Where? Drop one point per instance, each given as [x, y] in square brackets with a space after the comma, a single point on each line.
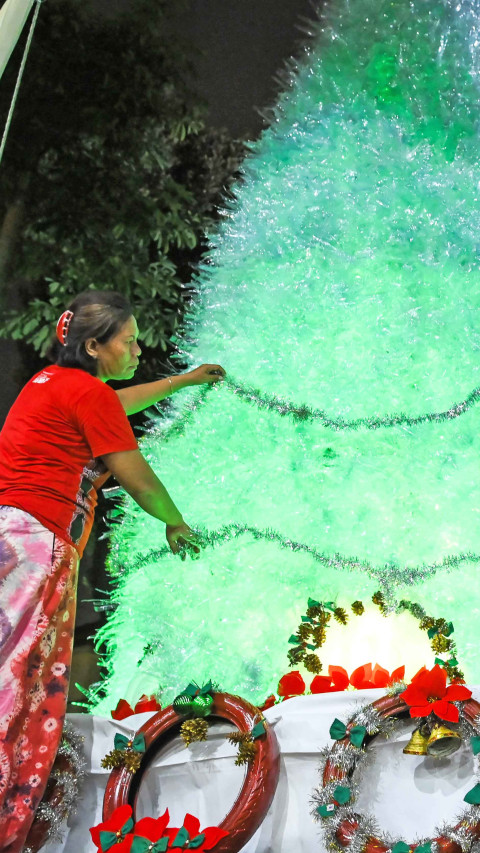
[38, 576]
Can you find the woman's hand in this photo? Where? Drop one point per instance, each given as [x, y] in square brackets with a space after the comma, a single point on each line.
[182, 539]
[206, 374]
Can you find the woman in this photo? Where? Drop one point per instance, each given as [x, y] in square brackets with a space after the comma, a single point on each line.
[65, 434]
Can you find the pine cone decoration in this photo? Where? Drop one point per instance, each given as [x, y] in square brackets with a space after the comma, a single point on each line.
[193, 730]
[312, 663]
[122, 758]
[340, 615]
[246, 753]
[113, 759]
[132, 760]
[427, 623]
[304, 631]
[358, 608]
[319, 635]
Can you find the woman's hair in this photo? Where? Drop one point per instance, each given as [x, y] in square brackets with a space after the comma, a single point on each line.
[98, 314]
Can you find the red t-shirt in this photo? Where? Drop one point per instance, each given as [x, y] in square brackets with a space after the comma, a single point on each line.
[63, 420]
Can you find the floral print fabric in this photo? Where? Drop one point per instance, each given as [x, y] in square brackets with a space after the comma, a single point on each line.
[38, 576]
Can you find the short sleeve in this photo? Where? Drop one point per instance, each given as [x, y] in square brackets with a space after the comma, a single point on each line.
[102, 420]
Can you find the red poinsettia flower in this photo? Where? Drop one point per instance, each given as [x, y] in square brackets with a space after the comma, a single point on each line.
[204, 839]
[337, 679]
[428, 694]
[151, 829]
[115, 833]
[366, 676]
[291, 684]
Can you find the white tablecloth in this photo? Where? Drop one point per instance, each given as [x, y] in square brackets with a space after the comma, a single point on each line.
[408, 795]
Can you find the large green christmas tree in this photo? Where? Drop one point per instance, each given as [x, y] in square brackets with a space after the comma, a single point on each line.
[342, 295]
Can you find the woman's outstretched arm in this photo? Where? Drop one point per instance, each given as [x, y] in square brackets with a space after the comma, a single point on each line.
[138, 397]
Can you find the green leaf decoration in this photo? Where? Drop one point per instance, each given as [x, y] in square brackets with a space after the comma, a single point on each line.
[447, 631]
[400, 847]
[197, 841]
[307, 619]
[207, 688]
[431, 634]
[357, 735]
[294, 639]
[311, 647]
[144, 845]
[473, 796]
[258, 730]
[342, 794]
[475, 744]
[424, 848]
[329, 605]
[338, 730]
[327, 811]
[313, 603]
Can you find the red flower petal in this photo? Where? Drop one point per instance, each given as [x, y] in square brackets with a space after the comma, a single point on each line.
[438, 681]
[361, 678]
[269, 702]
[291, 684]
[147, 703]
[192, 825]
[397, 675]
[152, 828]
[457, 693]
[322, 684]
[414, 695]
[339, 676]
[421, 710]
[122, 710]
[213, 834]
[380, 676]
[445, 710]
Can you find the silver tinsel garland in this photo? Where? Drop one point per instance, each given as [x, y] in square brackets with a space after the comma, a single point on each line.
[67, 781]
[350, 760]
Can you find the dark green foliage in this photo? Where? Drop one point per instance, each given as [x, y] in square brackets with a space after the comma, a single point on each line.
[110, 176]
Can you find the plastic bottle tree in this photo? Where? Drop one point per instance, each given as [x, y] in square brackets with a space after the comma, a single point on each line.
[342, 295]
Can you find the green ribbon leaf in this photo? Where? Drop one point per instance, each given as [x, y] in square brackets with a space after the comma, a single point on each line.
[473, 796]
[432, 632]
[342, 794]
[142, 845]
[327, 811]
[446, 633]
[311, 647]
[357, 735]
[137, 743]
[191, 689]
[294, 639]
[338, 730]
[197, 841]
[307, 619]
[446, 663]
[400, 847]
[313, 603]
[207, 688]
[330, 605]
[181, 839]
[108, 839]
[475, 744]
[258, 730]
[424, 848]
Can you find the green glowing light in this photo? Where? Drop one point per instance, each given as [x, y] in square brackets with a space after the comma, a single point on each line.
[344, 279]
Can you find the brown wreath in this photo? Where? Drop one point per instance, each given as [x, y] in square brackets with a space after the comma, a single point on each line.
[389, 706]
[256, 795]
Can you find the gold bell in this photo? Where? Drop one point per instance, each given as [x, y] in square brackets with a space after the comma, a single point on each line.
[417, 745]
[443, 741]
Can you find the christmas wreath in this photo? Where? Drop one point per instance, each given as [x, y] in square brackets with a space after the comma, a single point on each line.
[432, 702]
[258, 749]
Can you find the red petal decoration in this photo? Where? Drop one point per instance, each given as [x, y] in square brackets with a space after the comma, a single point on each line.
[397, 675]
[457, 693]
[147, 703]
[114, 823]
[445, 710]
[380, 676]
[122, 710]
[269, 703]
[339, 677]
[323, 684]
[291, 684]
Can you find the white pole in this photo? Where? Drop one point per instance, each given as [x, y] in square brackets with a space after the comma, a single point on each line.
[13, 15]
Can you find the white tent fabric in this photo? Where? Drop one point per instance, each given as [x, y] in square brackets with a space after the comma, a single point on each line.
[13, 15]
[408, 795]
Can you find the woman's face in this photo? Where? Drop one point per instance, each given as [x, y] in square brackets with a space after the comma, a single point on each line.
[118, 358]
